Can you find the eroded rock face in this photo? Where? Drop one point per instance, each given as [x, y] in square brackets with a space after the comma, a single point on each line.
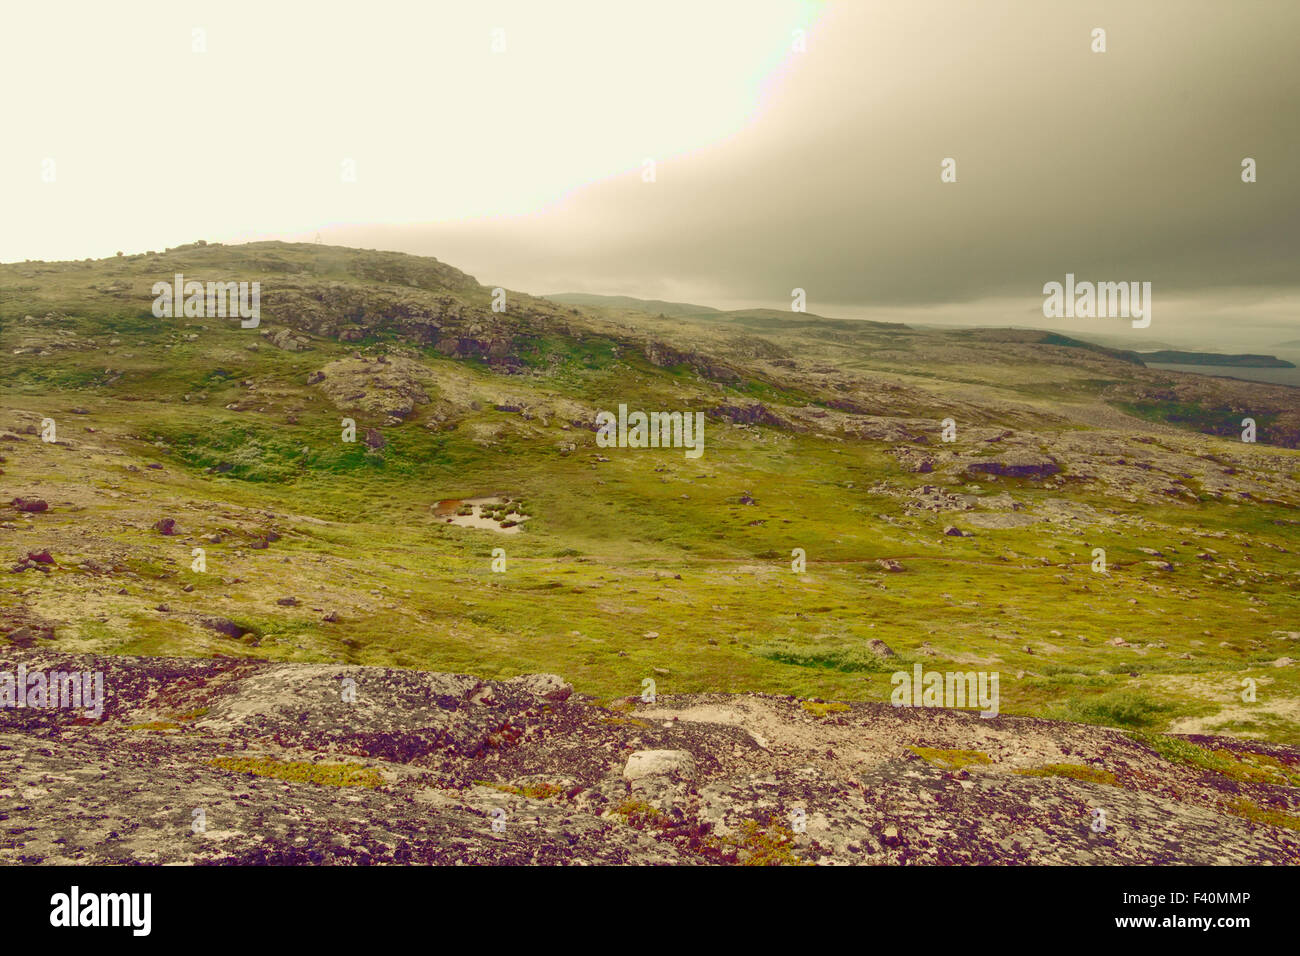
[756, 414]
[447, 768]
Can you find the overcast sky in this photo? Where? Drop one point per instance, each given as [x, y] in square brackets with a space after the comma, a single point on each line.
[774, 168]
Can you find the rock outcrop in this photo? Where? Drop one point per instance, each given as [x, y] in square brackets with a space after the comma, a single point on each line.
[235, 761]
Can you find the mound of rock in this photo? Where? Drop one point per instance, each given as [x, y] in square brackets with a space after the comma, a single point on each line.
[394, 386]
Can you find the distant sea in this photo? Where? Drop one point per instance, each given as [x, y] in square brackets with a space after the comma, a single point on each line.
[1277, 376]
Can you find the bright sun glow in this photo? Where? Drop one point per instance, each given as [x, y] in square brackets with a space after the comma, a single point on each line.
[251, 137]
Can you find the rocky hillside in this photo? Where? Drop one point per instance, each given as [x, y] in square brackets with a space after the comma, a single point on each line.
[236, 761]
[386, 472]
[312, 295]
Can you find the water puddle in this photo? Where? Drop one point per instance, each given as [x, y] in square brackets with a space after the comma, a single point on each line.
[489, 513]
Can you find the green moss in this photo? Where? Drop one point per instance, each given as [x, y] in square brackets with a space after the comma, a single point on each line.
[297, 771]
[952, 759]
[1243, 767]
[753, 843]
[1072, 770]
[1259, 768]
[1274, 818]
[534, 791]
[1179, 751]
[642, 816]
[769, 844]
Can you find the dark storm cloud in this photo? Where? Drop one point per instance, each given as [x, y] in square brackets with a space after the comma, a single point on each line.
[1123, 165]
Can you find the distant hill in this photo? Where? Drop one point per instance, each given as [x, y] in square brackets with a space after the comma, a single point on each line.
[1122, 342]
[753, 318]
[1040, 337]
[653, 306]
[1173, 357]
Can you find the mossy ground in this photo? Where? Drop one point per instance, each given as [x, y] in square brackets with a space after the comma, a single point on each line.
[648, 542]
[1247, 767]
[324, 774]
[534, 791]
[953, 759]
[768, 842]
[1270, 817]
[1072, 771]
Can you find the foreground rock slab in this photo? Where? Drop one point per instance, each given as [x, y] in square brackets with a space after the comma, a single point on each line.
[234, 761]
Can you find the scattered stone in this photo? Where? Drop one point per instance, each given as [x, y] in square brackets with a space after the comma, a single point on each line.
[224, 625]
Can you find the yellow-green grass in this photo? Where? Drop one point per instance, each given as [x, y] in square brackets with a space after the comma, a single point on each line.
[953, 759]
[596, 567]
[1242, 766]
[1073, 771]
[297, 771]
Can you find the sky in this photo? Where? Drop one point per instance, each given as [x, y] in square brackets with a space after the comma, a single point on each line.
[795, 144]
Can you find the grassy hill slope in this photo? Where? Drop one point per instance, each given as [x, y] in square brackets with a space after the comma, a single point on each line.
[627, 564]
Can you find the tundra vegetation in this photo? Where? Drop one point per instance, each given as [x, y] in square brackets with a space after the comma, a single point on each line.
[823, 435]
